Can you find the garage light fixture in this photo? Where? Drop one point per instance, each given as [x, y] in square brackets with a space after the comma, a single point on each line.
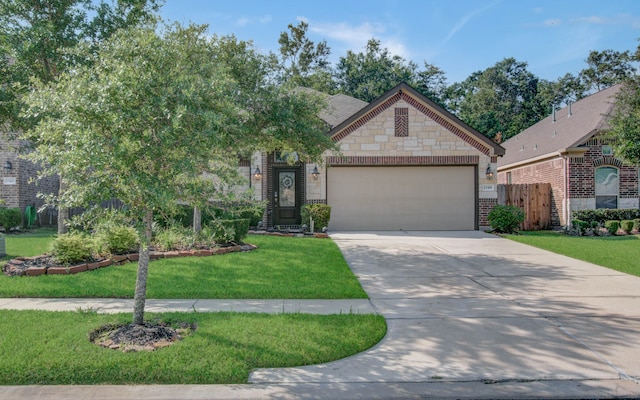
[489, 172]
[315, 172]
[8, 165]
[258, 174]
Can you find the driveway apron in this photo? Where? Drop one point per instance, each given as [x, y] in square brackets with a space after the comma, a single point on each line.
[473, 307]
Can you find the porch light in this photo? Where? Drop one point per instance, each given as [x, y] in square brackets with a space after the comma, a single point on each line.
[258, 174]
[8, 165]
[315, 172]
[489, 172]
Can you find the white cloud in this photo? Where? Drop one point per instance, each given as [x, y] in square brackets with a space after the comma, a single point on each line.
[553, 22]
[244, 21]
[465, 19]
[619, 19]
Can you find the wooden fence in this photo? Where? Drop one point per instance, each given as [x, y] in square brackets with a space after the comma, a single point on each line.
[534, 199]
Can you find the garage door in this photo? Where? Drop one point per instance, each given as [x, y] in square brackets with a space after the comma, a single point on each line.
[408, 198]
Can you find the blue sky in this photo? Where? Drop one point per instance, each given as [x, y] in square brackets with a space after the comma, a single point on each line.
[554, 37]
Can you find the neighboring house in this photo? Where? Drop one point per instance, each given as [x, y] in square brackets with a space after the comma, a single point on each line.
[567, 150]
[405, 163]
[17, 188]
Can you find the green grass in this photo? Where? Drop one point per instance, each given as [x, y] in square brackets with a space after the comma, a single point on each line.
[28, 244]
[52, 348]
[281, 268]
[621, 253]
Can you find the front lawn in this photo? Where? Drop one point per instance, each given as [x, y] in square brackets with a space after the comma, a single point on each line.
[621, 253]
[281, 268]
[52, 348]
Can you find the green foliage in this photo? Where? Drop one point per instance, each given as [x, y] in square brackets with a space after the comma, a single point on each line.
[627, 225]
[605, 214]
[321, 214]
[612, 226]
[624, 121]
[229, 230]
[505, 219]
[580, 226]
[10, 218]
[173, 237]
[636, 224]
[71, 248]
[116, 239]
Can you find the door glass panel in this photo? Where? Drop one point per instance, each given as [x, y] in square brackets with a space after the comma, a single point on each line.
[287, 182]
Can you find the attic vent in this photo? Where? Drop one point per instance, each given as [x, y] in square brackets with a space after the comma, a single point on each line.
[535, 147]
[555, 133]
[522, 148]
[402, 122]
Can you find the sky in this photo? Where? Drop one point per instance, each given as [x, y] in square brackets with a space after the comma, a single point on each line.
[553, 37]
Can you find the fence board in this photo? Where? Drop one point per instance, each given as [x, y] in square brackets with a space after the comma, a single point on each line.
[534, 199]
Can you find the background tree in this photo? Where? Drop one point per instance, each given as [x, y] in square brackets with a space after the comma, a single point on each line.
[503, 98]
[605, 69]
[432, 82]
[36, 38]
[152, 113]
[305, 63]
[366, 76]
[624, 121]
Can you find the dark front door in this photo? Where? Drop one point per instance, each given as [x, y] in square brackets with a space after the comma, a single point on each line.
[286, 196]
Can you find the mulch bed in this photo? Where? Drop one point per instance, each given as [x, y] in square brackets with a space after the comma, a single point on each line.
[146, 337]
[46, 265]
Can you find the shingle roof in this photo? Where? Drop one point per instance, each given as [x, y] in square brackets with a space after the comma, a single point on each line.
[588, 116]
[341, 107]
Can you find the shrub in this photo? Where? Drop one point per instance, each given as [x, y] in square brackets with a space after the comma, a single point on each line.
[10, 218]
[581, 226]
[321, 214]
[603, 215]
[229, 230]
[636, 224]
[612, 226]
[71, 248]
[172, 238]
[505, 219]
[627, 225]
[116, 239]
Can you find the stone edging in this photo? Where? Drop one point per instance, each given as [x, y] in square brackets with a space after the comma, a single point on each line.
[15, 267]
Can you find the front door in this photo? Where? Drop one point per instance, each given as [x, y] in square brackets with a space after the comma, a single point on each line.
[286, 196]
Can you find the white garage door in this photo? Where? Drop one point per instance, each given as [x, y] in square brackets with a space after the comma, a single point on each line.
[407, 198]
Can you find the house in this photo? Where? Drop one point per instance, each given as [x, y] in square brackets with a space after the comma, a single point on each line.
[404, 163]
[17, 188]
[568, 150]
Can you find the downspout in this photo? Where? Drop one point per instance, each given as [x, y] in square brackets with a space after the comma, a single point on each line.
[567, 201]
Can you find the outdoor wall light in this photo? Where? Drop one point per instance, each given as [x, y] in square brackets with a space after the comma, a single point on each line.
[489, 172]
[315, 172]
[258, 174]
[8, 165]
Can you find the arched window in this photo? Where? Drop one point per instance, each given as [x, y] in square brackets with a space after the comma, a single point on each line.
[607, 186]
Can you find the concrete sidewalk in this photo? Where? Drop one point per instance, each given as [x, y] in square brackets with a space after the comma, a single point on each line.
[470, 316]
[324, 307]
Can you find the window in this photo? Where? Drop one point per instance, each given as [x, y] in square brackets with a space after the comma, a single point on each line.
[607, 150]
[509, 178]
[607, 184]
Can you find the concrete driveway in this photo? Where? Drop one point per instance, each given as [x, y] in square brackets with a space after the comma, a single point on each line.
[474, 315]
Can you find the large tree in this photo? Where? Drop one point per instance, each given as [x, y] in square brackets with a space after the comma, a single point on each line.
[606, 68]
[369, 74]
[36, 42]
[153, 112]
[624, 121]
[305, 63]
[503, 98]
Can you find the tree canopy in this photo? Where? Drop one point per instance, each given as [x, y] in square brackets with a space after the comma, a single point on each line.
[624, 122]
[154, 111]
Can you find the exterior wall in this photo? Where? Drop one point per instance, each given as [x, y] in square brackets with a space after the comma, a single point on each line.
[17, 188]
[547, 171]
[581, 180]
[427, 143]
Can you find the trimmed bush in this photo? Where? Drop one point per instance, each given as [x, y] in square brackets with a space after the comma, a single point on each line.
[505, 219]
[321, 214]
[10, 218]
[117, 239]
[627, 225]
[71, 248]
[581, 226]
[605, 214]
[612, 226]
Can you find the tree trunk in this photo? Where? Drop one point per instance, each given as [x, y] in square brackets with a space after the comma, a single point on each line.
[140, 295]
[197, 220]
[63, 212]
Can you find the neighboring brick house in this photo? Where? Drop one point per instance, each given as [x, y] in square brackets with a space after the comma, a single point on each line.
[567, 150]
[404, 163]
[17, 186]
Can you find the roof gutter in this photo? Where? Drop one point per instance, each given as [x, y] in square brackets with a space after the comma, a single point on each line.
[569, 151]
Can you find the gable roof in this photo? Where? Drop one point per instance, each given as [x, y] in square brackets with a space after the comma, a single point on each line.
[573, 125]
[340, 107]
[441, 116]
